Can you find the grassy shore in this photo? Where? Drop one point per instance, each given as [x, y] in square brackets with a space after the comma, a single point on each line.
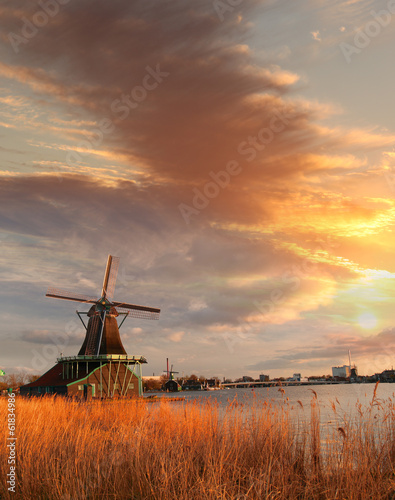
[139, 450]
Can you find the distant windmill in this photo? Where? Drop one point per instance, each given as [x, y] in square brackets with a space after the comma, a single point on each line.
[171, 385]
[170, 372]
[102, 367]
[102, 332]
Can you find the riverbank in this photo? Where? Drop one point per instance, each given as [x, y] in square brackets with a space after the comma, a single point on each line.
[192, 450]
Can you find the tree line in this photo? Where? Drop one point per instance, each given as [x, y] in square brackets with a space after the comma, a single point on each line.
[15, 380]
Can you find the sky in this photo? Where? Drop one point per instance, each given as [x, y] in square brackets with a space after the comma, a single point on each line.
[237, 156]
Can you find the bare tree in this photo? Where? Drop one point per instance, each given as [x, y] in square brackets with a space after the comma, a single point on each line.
[17, 379]
[152, 384]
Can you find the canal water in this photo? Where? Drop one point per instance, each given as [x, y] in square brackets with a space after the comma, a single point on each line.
[336, 405]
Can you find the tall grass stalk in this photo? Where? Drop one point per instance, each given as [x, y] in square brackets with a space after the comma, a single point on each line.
[196, 450]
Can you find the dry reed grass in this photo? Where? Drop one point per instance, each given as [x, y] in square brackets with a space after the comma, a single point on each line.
[139, 450]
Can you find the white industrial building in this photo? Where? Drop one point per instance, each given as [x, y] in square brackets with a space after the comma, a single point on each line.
[341, 371]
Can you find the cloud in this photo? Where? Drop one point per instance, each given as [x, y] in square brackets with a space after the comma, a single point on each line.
[373, 352]
[173, 138]
[36, 336]
[46, 337]
[197, 305]
[176, 336]
[172, 135]
[316, 36]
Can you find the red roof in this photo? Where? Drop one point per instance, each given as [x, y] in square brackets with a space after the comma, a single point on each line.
[54, 376]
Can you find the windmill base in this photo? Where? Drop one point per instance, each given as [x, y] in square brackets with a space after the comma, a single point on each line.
[91, 377]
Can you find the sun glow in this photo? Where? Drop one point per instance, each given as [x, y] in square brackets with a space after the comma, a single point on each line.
[367, 320]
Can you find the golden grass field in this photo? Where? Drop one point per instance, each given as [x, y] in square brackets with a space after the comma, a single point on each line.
[179, 450]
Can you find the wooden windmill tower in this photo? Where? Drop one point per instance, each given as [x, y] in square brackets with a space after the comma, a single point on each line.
[102, 367]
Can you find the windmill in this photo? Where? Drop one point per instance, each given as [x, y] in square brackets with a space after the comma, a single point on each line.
[102, 367]
[170, 372]
[171, 385]
[102, 332]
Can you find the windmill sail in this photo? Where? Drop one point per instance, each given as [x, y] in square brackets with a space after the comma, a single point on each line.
[110, 277]
[102, 332]
[65, 295]
[136, 311]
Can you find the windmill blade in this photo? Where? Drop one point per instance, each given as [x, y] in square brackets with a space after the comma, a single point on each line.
[110, 276]
[125, 305]
[76, 297]
[139, 312]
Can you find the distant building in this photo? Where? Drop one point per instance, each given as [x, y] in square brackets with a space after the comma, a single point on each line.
[264, 378]
[172, 386]
[191, 385]
[387, 376]
[296, 377]
[212, 382]
[341, 371]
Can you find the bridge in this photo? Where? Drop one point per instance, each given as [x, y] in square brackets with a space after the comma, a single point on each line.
[282, 383]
